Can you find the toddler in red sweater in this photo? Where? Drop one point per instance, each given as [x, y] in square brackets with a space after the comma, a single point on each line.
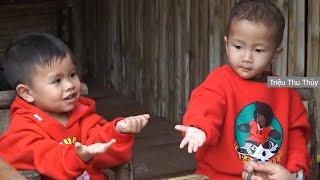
[52, 129]
[233, 116]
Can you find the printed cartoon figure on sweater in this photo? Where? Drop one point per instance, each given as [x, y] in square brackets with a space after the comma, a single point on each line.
[259, 143]
[52, 129]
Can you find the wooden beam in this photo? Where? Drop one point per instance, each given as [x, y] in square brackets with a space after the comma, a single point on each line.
[7, 172]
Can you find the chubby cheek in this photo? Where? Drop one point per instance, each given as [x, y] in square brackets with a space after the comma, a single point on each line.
[78, 88]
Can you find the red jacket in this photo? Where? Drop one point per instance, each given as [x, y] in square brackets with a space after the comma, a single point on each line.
[223, 102]
[34, 140]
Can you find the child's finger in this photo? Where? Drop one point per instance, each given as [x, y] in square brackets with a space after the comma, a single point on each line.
[190, 146]
[147, 116]
[183, 142]
[128, 124]
[201, 143]
[181, 128]
[121, 124]
[78, 146]
[195, 147]
[135, 124]
[112, 141]
[141, 124]
[100, 147]
[144, 122]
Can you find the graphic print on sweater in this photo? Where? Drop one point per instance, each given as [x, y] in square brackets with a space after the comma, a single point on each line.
[258, 132]
[69, 140]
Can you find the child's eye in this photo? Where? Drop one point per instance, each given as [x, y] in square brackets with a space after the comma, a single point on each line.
[259, 50]
[237, 46]
[73, 74]
[57, 81]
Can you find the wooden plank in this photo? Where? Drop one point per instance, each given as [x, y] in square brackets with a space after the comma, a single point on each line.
[185, 50]
[109, 44]
[77, 32]
[90, 35]
[178, 56]
[4, 119]
[101, 42]
[6, 98]
[123, 87]
[131, 60]
[83, 39]
[292, 45]
[116, 44]
[194, 44]
[204, 43]
[163, 59]
[296, 46]
[139, 50]
[301, 38]
[215, 35]
[8, 172]
[95, 40]
[16, 11]
[149, 59]
[189, 177]
[171, 61]
[156, 60]
[280, 65]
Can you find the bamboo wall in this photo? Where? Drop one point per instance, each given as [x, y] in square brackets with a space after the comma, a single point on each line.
[22, 17]
[159, 50]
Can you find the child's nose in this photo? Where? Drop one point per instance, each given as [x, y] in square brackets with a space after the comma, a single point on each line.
[247, 57]
[68, 85]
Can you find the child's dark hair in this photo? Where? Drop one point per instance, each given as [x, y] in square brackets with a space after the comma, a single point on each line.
[28, 50]
[259, 11]
[265, 110]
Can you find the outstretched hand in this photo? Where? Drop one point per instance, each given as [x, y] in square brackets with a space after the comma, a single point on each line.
[194, 137]
[132, 124]
[266, 171]
[86, 152]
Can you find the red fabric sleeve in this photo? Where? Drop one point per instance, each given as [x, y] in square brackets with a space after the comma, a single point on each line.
[298, 136]
[207, 106]
[118, 153]
[34, 151]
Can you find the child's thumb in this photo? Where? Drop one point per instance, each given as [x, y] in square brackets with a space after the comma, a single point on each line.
[181, 128]
[78, 146]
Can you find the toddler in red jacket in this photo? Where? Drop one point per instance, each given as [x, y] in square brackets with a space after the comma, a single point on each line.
[52, 129]
[233, 116]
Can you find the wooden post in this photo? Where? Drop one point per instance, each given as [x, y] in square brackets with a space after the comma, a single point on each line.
[280, 65]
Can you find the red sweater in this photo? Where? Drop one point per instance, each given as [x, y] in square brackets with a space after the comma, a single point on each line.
[34, 140]
[223, 106]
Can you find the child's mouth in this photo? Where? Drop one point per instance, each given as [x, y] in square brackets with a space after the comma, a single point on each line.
[245, 69]
[70, 98]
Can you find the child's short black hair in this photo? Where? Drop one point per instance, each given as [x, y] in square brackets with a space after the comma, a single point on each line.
[28, 50]
[259, 11]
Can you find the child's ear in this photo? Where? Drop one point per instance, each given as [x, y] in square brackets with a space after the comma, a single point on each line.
[24, 92]
[277, 53]
[226, 44]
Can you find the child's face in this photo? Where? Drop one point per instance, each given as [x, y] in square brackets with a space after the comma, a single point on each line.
[55, 88]
[251, 48]
[261, 120]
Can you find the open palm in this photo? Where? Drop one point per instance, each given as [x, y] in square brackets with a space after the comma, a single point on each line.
[194, 137]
